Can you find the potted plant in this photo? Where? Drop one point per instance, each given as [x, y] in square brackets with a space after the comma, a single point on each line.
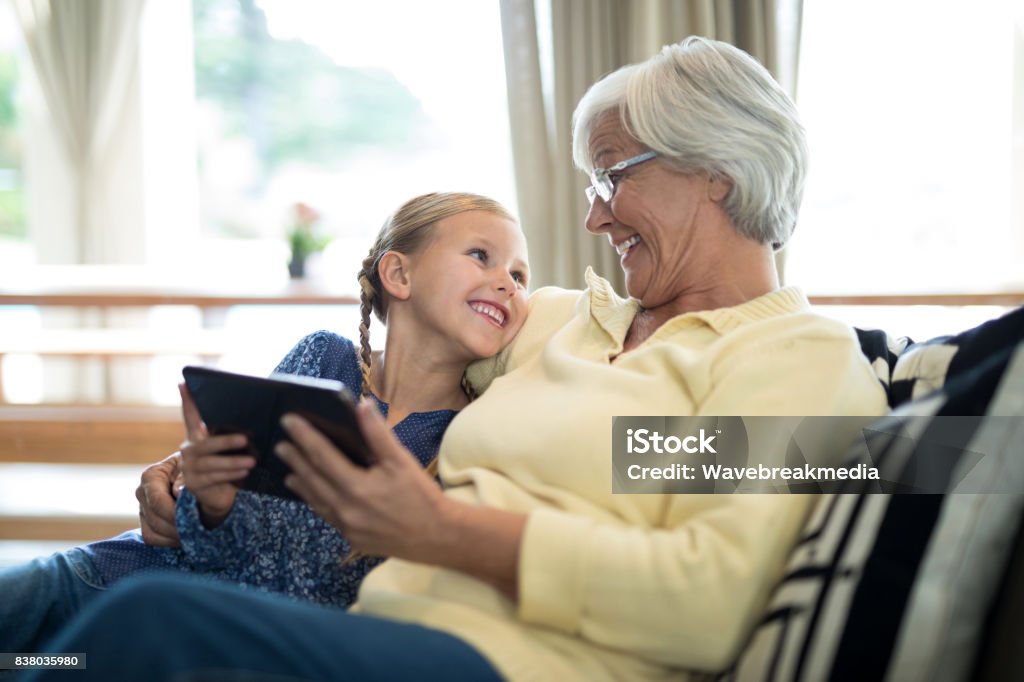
[303, 238]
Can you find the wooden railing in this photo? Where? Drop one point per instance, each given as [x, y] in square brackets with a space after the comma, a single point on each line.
[88, 434]
[82, 435]
[125, 287]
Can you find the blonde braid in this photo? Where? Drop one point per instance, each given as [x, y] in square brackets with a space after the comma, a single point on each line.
[367, 295]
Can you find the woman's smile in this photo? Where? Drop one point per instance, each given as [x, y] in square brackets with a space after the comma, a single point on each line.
[626, 247]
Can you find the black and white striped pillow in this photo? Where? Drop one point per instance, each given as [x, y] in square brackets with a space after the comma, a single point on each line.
[898, 586]
[909, 370]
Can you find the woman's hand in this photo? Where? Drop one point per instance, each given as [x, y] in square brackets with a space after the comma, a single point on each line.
[212, 477]
[394, 508]
[159, 487]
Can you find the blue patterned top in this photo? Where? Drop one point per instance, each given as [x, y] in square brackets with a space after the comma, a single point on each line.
[266, 542]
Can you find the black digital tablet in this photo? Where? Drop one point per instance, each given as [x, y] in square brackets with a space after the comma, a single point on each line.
[238, 403]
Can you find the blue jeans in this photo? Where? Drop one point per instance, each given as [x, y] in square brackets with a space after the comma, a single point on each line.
[38, 598]
[175, 628]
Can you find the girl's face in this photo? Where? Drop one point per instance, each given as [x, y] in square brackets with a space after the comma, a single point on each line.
[469, 282]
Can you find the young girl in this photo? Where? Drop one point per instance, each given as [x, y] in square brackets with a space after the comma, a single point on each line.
[448, 275]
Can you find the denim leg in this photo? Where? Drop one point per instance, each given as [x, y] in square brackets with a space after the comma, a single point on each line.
[38, 598]
[174, 627]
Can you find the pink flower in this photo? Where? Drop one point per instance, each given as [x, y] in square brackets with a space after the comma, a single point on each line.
[305, 214]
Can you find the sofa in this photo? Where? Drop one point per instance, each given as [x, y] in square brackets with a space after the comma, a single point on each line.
[914, 586]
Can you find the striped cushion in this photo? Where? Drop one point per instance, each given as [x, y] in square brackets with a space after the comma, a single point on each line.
[899, 586]
[909, 370]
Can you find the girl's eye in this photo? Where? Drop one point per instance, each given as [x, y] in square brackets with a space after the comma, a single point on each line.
[519, 277]
[479, 254]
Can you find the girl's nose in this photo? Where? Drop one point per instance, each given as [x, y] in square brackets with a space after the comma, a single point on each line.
[506, 283]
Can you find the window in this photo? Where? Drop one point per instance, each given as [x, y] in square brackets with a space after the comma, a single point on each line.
[248, 107]
[910, 120]
[348, 108]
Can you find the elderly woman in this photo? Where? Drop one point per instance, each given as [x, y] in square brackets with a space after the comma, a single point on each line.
[527, 566]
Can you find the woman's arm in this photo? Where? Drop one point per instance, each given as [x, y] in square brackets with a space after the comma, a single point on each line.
[395, 509]
[482, 542]
[158, 489]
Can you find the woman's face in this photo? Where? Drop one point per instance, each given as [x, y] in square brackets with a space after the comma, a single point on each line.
[652, 219]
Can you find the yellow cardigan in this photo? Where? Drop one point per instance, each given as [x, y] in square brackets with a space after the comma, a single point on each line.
[615, 586]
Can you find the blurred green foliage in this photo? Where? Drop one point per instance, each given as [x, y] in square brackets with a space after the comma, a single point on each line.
[8, 85]
[12, 196]
[288, 97]
[12, 214]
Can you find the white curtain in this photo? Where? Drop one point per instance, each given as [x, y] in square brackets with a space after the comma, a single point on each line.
[85, 57]
[549, 64]
[85, 54]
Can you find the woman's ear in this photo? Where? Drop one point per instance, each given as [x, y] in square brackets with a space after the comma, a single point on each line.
[718, 187]
[393, 269]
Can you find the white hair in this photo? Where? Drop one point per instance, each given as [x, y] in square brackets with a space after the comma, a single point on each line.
[707, 106]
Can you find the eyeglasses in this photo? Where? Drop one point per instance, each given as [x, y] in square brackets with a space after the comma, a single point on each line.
[602, 180]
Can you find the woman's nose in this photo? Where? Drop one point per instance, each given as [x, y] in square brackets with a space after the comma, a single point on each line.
[599, 217]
